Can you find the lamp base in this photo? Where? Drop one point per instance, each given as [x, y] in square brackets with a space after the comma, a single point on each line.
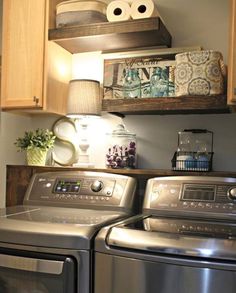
[83, 165]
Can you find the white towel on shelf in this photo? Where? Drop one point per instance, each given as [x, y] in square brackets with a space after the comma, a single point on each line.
[71, 6]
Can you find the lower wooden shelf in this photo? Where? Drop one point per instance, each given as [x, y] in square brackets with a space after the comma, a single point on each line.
[168, 105]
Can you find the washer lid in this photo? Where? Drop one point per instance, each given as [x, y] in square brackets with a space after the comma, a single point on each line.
[175, 236]
[53, 226]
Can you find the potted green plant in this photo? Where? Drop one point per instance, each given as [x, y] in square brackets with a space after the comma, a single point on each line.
[36, 144]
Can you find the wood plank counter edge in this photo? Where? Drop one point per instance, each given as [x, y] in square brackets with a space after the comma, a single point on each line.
[18, 177]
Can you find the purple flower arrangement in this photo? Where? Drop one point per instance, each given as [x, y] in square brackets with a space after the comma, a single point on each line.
[119, 157]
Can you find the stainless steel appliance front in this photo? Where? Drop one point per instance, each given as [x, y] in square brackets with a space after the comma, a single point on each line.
[46, 245]
[147, 274]
[184, 242]
[27, 270]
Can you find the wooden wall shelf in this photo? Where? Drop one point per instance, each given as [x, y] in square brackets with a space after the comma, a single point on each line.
[168, 105]
[112, 35]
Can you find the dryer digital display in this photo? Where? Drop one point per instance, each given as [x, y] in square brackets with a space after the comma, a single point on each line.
[199, 192]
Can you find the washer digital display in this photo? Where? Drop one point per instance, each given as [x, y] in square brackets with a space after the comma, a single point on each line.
[67, 186]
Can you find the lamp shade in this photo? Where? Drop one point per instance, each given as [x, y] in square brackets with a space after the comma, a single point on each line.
[83, 98]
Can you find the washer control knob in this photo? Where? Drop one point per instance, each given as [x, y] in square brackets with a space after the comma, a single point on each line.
[96, 186]
[232, 193]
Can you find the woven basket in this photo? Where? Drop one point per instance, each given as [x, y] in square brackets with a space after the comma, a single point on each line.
[36, 156]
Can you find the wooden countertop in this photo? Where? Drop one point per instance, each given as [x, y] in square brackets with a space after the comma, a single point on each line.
[18, 177]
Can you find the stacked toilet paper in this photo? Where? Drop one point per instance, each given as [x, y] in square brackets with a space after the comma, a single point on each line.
[119, 10]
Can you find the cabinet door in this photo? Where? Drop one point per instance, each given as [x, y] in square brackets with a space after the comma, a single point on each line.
[232, 55]
[23, 53]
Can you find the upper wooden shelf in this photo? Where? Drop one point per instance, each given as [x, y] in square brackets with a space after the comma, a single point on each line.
[168, 105]
[112, 35]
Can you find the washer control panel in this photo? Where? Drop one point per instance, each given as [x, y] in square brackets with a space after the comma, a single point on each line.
[87, 188]
[192, 194]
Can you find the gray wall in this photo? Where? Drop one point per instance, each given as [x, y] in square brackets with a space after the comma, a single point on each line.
[191, 23]
[202, 22]
[158, 138]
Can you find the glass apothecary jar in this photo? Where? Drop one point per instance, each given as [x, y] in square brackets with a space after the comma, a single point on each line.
[122, 149]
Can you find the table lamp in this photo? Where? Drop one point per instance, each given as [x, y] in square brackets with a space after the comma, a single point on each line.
[83, 103]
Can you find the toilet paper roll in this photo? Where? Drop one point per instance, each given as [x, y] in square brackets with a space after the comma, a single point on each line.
[143, 9]
[129, 1]
[118, 11]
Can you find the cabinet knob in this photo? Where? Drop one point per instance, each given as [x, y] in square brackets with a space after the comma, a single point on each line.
[36, 100]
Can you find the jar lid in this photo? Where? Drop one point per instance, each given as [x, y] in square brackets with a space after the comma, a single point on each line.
[120, 130]
[132, 71]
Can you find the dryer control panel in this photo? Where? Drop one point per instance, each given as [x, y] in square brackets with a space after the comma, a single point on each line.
[192, 194]
[81, 188]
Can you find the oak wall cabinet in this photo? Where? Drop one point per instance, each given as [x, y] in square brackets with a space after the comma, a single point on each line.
[35, 72]
[232, 56]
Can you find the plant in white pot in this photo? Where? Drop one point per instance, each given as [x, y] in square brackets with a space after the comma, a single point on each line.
[36, 144]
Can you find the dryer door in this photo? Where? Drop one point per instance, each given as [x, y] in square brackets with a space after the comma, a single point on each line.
[21, 274]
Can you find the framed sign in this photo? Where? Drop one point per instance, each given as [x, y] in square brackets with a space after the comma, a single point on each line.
[155, 68]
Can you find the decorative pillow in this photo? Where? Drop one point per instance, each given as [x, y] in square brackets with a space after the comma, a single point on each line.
[199, 73]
